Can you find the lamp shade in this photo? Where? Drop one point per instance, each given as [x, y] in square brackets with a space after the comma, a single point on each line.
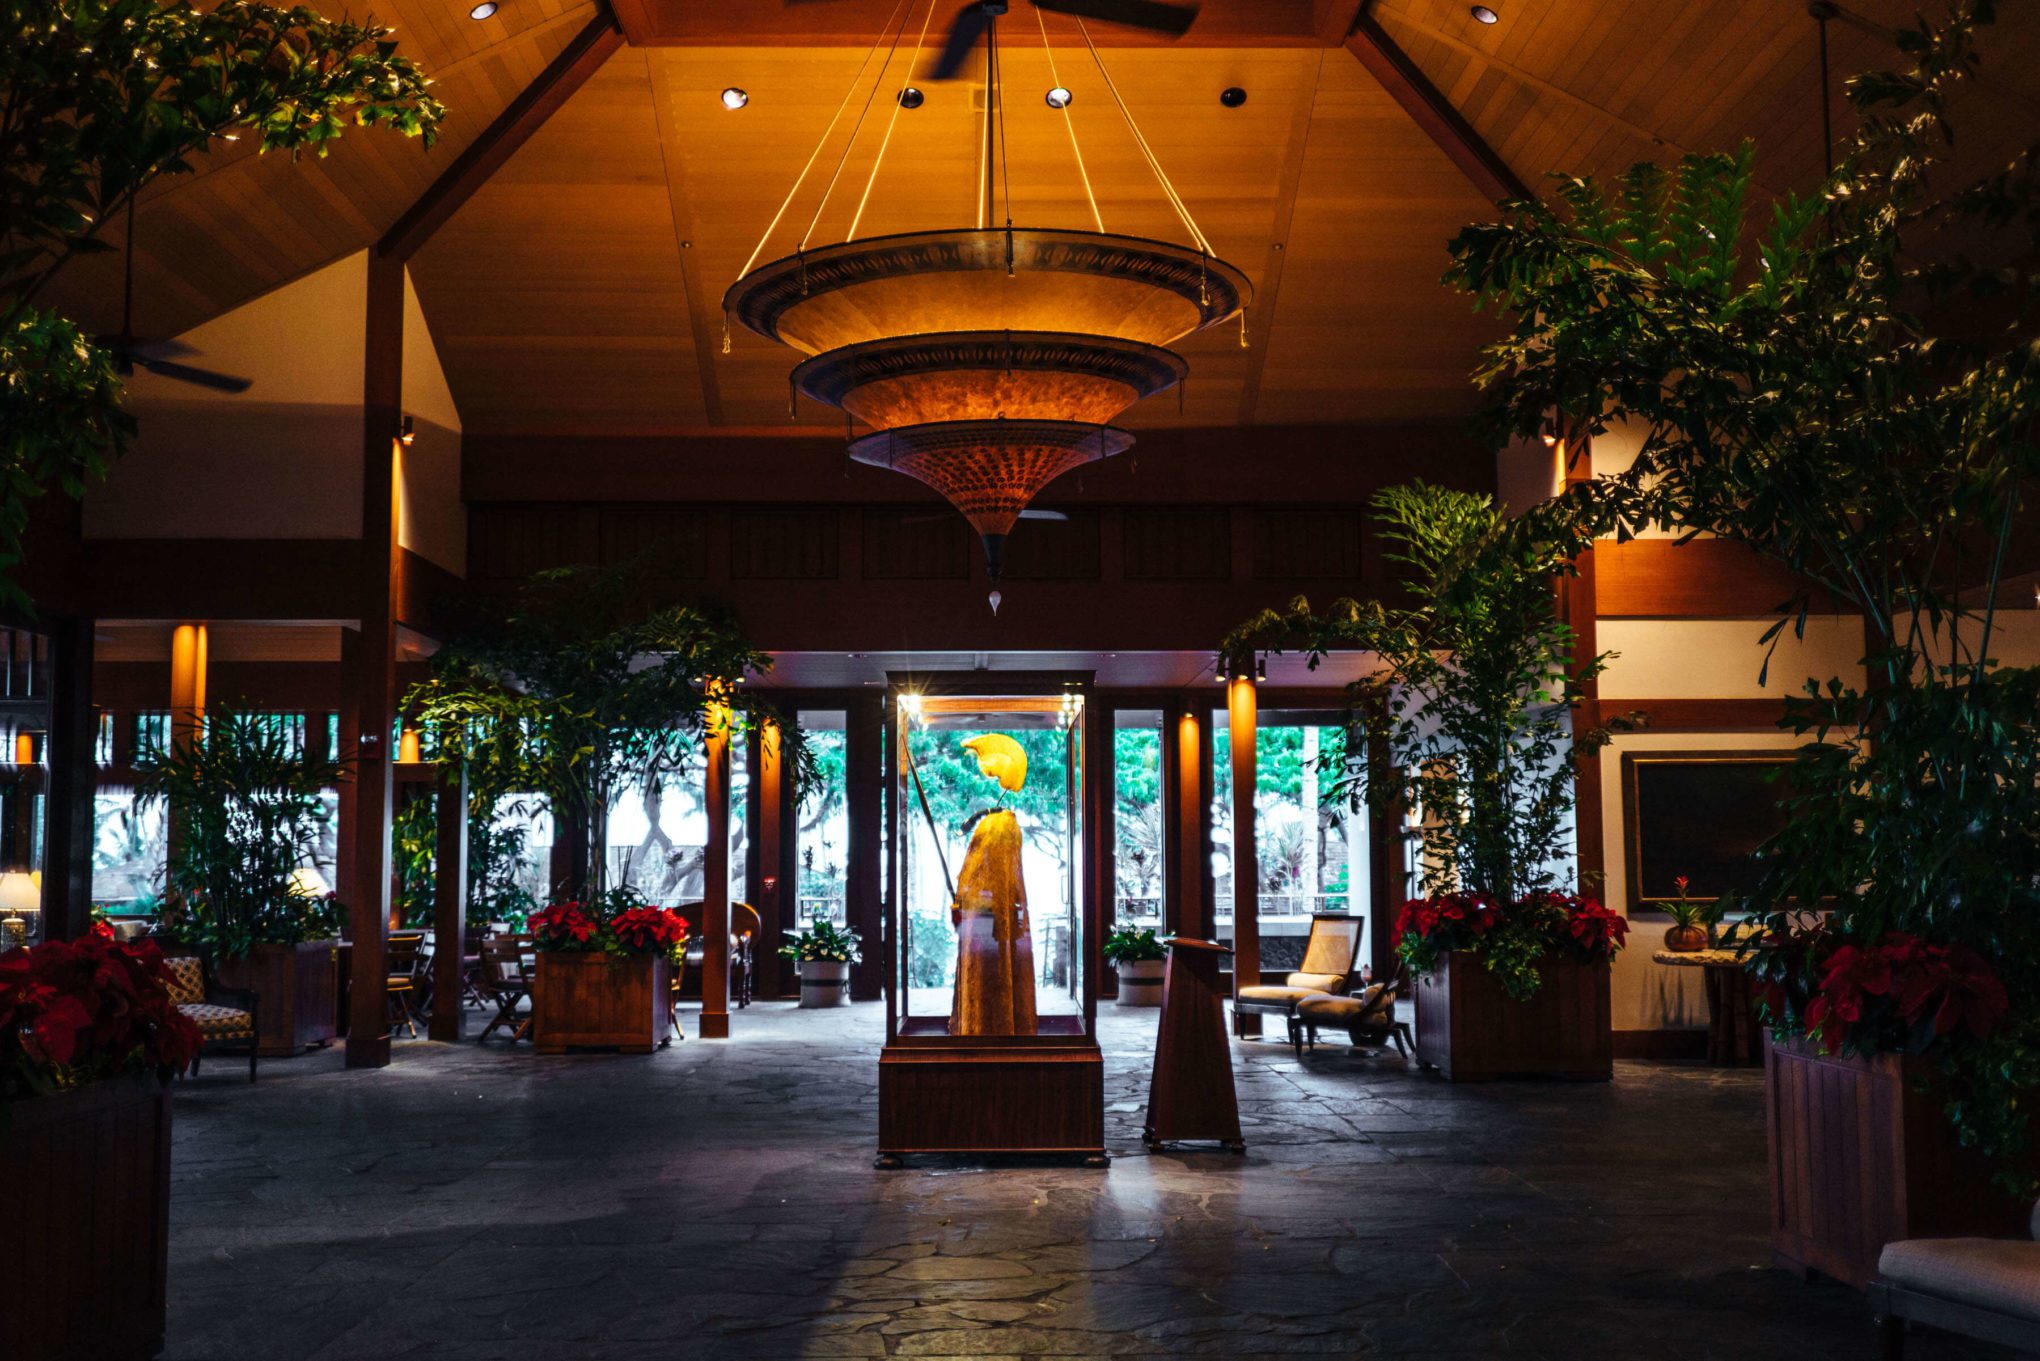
[307, 882]
[20, 894]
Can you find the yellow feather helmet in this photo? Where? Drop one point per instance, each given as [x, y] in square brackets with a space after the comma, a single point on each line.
[1000, 758]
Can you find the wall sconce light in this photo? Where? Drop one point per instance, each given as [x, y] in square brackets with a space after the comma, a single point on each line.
[24, 749]
[408, 749]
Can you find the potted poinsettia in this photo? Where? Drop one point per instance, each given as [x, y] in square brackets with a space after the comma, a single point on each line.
[605, 970]
[823, 954]
[88, 1040]
[1138, 957]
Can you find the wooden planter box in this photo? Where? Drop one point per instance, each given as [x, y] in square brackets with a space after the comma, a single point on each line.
[602, 1002]
[1861, 1156]
[85, 1201]
[299, 988]
[1472, 1031]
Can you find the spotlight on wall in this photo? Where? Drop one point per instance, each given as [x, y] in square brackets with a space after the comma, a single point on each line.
[1232, 96]
[1261, 668]
[911, 98]
[1059, 98]
[734, 99]
[484, 10]
[1486, 15]
[407, 431]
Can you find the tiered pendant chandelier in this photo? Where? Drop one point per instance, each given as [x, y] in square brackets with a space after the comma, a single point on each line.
[987, 360]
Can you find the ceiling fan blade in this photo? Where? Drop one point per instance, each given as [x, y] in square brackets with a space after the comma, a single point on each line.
[185, 373]
[963, 36]
[1174, 20]
[1054, 516]
[157, 349]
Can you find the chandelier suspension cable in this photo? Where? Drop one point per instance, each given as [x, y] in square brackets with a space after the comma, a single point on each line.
[983, 187]
[901, 10]
[801, 178]
[893, 121]
[1197, 237]
[1005, 170]
[1069, 124]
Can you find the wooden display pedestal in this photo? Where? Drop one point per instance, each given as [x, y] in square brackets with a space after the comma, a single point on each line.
[1863, 1155]
[600, 1002]
[1470, 1030]
[1191, 1095]
[1039, 1094]
[299, 991]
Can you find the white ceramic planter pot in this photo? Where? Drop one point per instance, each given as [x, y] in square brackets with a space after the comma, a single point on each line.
[1140, 983]
[824, 983]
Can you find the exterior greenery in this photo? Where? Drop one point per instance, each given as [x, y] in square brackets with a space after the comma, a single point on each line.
[576, 687]
[1841, 387]
[495, 853]
[247, 803]
[102, 98]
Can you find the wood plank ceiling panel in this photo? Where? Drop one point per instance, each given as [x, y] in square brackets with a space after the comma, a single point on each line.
[242, 224]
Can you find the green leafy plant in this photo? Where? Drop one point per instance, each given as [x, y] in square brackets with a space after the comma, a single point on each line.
[104, 97]
[1471, 700]
[1129, 946]
[1842, 389]
[575, 688]
[1688, 912]
[249, 805]
[822, 941]
[495, 890]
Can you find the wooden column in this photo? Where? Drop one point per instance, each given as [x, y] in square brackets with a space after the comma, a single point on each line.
[766, 881]
[1387, 885]
[67, 807]
[1579, 606]
[1186, 829]
[187, 706]
[864, 795]
[1099, 731]
[449, 905]
[1246, 869]
[375, 681]
[715, 895]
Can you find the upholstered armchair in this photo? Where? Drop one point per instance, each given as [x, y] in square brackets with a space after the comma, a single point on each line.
[1327, 966]
[224, 1016]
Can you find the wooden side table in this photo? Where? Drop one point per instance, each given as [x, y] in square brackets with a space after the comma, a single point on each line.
[1734, 1039]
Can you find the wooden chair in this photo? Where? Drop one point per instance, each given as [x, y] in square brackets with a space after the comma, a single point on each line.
[1984, 1288]
[1368, 1018]
[505, 983]
[745, 926]
[224, 1016]
[1326, 971]
[401, 979]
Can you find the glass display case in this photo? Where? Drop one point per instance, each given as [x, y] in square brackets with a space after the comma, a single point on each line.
[991, 998]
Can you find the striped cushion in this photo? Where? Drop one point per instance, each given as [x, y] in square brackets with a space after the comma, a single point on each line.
[187, 979]
[219, 1023]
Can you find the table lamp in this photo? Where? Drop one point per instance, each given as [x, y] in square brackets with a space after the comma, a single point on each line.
[307, 882]
[20, 898]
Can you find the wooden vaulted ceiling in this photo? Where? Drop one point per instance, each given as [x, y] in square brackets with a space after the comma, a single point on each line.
[579, 289]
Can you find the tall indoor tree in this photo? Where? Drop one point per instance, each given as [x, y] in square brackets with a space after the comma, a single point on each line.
[99, 99]
[1848, 383]
[578, 687]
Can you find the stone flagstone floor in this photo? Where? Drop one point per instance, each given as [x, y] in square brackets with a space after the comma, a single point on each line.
[718, 1201]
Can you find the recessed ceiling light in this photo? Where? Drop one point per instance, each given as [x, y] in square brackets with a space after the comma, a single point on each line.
[1486, 15]
[1059, 98]
[1232, 96]
[911, 98]
[483, 10]
[734, 99]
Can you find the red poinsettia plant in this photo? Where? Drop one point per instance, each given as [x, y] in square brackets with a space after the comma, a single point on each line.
[1508, 938]
[565, 928]
[647, 930]
[1900, 994]
[78, 1011]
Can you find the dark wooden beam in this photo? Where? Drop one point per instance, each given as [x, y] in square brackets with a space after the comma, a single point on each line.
[1422, 101]
[1578, 602]
[449, 905]
[1333, 19]
[1700, 579]
[1242, 723]
[525, 115]
[67, 825]
[715, 888]
[864, 795]
[858, 23]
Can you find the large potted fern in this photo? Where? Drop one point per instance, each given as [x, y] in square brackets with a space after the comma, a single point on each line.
[1831, 386]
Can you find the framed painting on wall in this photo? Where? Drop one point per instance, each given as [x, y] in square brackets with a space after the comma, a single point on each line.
[1701, 814]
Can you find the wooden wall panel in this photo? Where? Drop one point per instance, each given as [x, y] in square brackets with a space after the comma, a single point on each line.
[1307, 545]
[668, 543]
[918, 543]
[1177, 544]
[1055, 550]
[783, 545]
[1706, 578]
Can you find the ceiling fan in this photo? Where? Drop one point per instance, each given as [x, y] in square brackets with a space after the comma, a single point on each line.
[131, 351]
[977, 16]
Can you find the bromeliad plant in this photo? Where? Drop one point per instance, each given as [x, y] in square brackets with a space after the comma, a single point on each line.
[1840, 388]
[824, 942]
[103, 97]
[76, 1012]
[1472, 703]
